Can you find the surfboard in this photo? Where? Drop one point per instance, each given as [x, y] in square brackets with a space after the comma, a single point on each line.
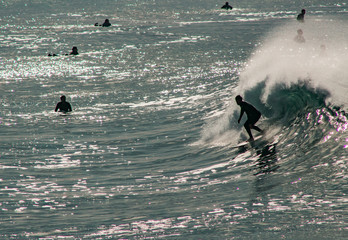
[62, 113]
[245, 143]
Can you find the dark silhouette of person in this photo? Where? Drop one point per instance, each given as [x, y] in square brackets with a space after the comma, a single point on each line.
[74, 51]
[253, 116]
[299, 37]
[322, 50]
[63, 105]
[300, 17]
[106, 23]
[227, 6]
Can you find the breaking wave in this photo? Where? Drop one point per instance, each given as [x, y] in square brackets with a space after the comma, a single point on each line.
[289, 81]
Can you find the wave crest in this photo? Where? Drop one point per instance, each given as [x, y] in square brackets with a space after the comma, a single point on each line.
[285, 79]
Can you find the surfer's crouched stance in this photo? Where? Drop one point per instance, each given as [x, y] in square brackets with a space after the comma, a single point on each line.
[252, 113]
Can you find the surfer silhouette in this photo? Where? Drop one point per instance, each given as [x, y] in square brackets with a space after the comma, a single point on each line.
[227, 6]
[106, 23]
[74, 51]
[300, 17]
[323, 51]
[63, 105]
[299, 37]
[253, 116]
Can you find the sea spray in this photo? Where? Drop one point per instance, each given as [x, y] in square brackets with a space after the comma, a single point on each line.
[321, 60]
[284, 78]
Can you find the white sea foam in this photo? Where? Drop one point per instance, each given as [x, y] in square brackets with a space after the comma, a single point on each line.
[321, 60]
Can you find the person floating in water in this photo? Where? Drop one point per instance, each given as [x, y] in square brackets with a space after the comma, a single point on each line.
[300, 17]
[299, 37]
[227, 6]
[323, 51]
[63, 105]
[106, 23]
[74, 51]
[253, 116]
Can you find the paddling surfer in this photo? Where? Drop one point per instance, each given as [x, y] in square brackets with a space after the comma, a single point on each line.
[299, 37]
[253, 116]
[300, 17]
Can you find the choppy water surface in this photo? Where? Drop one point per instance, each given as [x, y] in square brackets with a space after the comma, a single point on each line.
[150, 149]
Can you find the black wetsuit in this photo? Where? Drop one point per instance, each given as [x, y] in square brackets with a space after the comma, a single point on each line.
[300, 17]
[63, 107]
[227, 7]
[106, 24]
[252, 113]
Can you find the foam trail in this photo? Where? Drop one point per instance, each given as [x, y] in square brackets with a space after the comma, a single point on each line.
[219, 131]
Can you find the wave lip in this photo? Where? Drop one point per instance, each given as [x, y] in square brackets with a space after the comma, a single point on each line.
[286, 79]
[320, 61]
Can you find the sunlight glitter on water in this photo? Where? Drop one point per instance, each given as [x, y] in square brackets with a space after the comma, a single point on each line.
[132, 160]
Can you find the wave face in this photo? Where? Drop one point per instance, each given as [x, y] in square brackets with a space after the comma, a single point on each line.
[301, 90]
[286, 79]
[291, 82]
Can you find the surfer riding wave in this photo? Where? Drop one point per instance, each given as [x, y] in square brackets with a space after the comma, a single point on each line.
[253, 116]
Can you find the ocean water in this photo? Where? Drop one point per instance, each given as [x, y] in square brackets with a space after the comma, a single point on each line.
[150, 149]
